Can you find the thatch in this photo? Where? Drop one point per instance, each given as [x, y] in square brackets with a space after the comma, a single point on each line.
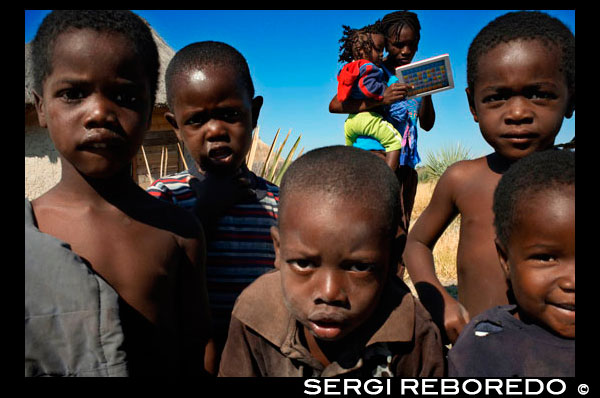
[165, 53]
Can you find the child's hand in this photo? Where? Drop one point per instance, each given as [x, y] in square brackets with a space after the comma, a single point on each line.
[395, 92]
[456, 317]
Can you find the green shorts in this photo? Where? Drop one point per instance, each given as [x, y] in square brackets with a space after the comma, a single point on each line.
[372, 125]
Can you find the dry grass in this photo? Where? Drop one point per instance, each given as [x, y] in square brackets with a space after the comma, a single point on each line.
[444, 253]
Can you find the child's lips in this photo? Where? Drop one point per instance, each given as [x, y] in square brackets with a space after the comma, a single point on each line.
[565, 306]
[221, 153]
[519, 137]
[327, 325]
[326, 331]
[565, 311]
[101, 140]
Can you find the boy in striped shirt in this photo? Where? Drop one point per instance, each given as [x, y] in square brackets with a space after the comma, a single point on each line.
[213, 110]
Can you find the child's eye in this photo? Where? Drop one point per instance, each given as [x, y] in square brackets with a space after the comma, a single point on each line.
[362, 267]
[72, 94]
[198, 119]
[543, 257]
[495, 98]
[301, 264]
[126, 98]
[229, 115]
[542, 95]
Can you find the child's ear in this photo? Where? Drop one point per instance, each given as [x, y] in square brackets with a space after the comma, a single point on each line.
[570, 107]
[170, 117]
[275, 237]
[39, 108]
[257, 103]
[503, 257]
[472, 104]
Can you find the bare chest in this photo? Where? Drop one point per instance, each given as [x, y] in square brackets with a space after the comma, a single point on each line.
[138, 260]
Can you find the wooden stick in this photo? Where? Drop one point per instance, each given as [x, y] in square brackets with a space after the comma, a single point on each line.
[162, 157]
[147, 167]
[166, 159]
[182, 157]
[252, 152]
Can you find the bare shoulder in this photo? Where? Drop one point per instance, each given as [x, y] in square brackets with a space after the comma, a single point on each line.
[466, 168]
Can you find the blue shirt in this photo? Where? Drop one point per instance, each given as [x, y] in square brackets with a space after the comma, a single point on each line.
[404, 116]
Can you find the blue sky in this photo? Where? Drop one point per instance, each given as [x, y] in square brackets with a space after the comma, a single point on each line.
[293, 55]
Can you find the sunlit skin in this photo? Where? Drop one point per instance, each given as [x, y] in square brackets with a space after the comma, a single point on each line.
[520, 98]
[214, 115]
[333, 263]
[95, 108]
[401, 48]
[539, 260]
[96, 105]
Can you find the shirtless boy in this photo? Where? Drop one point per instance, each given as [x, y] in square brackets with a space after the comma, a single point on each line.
[521, 84]
[95, 81]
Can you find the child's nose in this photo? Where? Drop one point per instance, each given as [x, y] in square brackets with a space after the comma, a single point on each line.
[332, 289]
[519, 111]
[215, 131]
[101, 111]
[567, 278]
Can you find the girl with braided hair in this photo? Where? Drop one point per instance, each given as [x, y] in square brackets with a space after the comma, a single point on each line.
[360, 78]
[401, 30]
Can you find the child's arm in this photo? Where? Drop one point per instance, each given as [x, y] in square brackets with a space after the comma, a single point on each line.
[392, 158]
[197, 342]
[418, 256]
[427, 113]
[392, 93]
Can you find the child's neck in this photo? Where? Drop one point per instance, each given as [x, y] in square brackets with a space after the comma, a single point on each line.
[94, 191]
[498, 163]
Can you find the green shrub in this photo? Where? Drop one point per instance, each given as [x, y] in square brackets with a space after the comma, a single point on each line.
[437, 162]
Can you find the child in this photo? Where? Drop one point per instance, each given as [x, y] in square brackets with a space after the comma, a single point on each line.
[534, 207]
[95, 76]
[334, 305]
[362, 78]
[402, 35]
[213, 110]
[521, 84]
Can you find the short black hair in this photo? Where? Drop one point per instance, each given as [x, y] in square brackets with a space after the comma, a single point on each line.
[348, 172]
[540, 171]
[124, 22]
[524, 25]
[392, 23]
[203, 54]
[354, 41]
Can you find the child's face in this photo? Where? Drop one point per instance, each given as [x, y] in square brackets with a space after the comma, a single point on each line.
[402, 49]
[214, 115]
[96, 101]
[540, 260]
[334, 261]
[520, 97]
[375, 55]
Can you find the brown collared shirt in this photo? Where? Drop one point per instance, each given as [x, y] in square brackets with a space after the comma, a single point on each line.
[400, 339]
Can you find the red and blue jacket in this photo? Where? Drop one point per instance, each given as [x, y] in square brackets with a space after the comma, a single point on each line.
[361, 79]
